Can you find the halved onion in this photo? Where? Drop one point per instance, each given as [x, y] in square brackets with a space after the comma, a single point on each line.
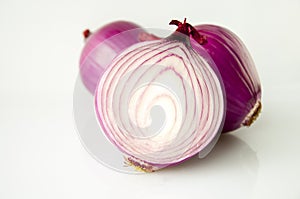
[160, 102]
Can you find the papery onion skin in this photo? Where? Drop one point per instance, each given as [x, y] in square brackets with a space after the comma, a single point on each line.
[203, 102]
[92, 67]
[239, 75]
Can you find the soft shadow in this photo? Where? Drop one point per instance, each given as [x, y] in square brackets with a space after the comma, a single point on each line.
[230, 151]
[229, 171]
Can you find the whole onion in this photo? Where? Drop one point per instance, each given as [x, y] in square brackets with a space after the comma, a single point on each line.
[101, 47]
[161, 102]
[239, 75]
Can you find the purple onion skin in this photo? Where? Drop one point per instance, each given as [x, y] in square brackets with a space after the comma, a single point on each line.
[91, 69]
[239, 75]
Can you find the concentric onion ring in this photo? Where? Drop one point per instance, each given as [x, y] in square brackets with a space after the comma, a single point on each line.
[160, 102]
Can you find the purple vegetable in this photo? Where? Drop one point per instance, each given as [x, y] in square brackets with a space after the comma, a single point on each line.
[160, 102]
[99, 50]
[239, 75]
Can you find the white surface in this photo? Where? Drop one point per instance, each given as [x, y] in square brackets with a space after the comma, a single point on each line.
[40, 153]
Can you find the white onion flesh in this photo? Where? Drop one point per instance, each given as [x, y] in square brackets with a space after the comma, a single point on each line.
[160, 102]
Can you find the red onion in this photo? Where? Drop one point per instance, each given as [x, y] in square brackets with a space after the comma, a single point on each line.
[160, 102]
[101, 47]
[238, 72]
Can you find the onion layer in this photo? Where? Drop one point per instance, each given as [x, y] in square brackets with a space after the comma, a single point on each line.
[160, 102]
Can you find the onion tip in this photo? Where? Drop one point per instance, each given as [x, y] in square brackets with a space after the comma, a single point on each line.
[253, 114]
[189, 30]
[138, 164]
[86, 33]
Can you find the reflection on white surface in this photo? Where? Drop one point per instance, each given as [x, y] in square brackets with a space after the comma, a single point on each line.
[90, 133]
[232, 163]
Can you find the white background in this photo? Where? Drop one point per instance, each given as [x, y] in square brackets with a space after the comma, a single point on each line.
[40, 153]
